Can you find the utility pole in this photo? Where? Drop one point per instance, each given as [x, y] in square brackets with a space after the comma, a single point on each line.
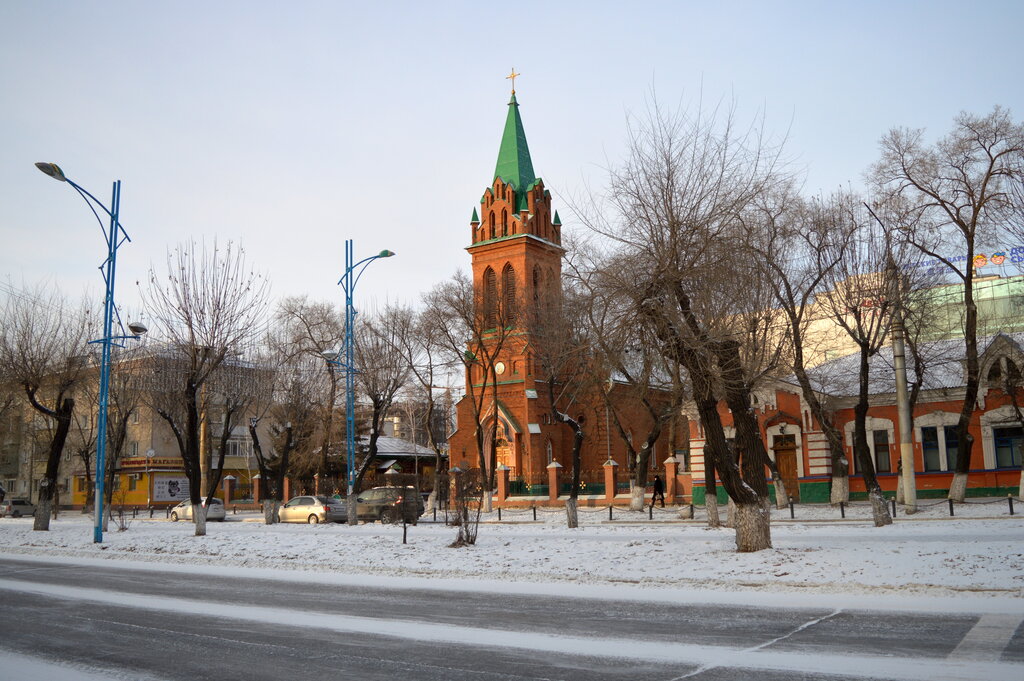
[899, 363]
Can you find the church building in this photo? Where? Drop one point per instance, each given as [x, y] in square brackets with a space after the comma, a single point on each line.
[516, 250]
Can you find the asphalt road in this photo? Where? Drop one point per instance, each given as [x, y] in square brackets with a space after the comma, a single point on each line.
[172, 625]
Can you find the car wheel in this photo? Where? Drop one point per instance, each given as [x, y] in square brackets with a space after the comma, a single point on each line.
[388, 516]
[174, 517]
[312, 520]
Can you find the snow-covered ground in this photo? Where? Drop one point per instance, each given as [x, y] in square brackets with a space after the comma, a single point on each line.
[977, 554]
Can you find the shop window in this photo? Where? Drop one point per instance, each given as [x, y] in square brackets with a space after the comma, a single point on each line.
[132, 483]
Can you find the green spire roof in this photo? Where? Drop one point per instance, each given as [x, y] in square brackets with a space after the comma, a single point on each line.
[475, 218]
[558, 220]
[514, 165]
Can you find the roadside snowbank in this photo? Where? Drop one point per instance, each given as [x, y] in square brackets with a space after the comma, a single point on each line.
[929, 555]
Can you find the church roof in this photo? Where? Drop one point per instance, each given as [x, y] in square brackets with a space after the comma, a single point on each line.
[514, 165]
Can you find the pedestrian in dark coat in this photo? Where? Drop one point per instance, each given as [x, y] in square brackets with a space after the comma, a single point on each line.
[659, 491]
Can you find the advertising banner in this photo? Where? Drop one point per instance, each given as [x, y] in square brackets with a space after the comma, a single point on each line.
[170, 488]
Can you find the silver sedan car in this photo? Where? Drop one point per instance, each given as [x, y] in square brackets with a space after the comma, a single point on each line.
[313, 509]
[214, 510]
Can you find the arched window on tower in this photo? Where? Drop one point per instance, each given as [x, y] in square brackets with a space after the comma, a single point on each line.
[504, 223]
[508, 291]
[490, 298]
[492, 224]
[536, 283]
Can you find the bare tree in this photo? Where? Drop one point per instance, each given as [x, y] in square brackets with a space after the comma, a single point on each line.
[384, 371]
[314, 329]
[636, 373]
[675, 208]
[797, 244]
[207, 304]
[42, 350]
[478, 331]
[287, 402]
[430, 364]
[963, 193]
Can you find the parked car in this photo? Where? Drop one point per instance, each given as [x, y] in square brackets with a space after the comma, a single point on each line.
[16, 508]
[390, 504]
[312, 510]
[214, 510]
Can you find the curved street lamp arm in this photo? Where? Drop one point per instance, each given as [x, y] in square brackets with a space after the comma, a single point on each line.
[86, 196]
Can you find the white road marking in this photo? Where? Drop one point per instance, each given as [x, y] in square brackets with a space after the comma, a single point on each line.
[988, 638]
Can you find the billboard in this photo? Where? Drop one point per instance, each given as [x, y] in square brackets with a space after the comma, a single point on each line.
[170, 488]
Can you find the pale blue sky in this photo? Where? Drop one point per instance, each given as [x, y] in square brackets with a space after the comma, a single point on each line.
[294, 125]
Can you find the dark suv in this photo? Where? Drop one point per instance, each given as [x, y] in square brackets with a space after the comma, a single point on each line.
[390, 504]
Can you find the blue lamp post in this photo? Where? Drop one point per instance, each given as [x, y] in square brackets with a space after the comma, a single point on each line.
[114, 236]
[353, 270]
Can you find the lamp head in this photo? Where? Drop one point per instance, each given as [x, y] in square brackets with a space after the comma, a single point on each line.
[330, 356]
[53, 170]
[137, 328]
[383, 254]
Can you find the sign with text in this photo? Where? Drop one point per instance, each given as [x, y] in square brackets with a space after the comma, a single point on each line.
[170, 488]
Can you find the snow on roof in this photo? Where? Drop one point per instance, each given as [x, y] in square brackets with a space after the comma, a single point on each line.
[388, 446]
[943, 368]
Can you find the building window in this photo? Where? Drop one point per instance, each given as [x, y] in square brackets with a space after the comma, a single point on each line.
[551, 454]
[490, 298]
[133, 449]
[930, 449]
[508, 289]
[135, 416]
[878, 444]
[883, 461]
[132, 483]
[1008, 446]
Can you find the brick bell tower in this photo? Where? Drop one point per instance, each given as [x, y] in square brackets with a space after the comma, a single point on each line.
[515, 245]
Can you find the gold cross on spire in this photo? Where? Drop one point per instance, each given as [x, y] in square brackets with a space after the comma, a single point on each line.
[512, 77]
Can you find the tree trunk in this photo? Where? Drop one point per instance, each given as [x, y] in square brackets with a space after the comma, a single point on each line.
[781, 496]
[48, 485]
[711, 494]
[730, 513]
[572, 517]
[879, 509]
[199, 517]
[958, 488]
[753, 527]
[636, 496]
[840, 489]
[270, 512]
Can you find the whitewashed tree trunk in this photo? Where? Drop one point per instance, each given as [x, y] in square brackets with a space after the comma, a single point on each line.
[753, 527]
[899, 490]
[730, 513]
[270, 511]
[1020, 484]
[487, 503]
[840, 490]
[199, 515]
[879, 509]
[431, 501]
[636, 496]
[107, 512]
[781, 497]
[42, 519]
[958, 489]
[572, 517]
[711, 505]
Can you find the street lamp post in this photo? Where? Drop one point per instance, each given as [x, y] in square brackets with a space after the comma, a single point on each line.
[353, 270]
[115, 235]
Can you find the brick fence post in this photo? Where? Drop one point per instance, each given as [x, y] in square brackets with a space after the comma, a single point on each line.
[503, 472]
[553, 469]
[610, 479]
[671, 484]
